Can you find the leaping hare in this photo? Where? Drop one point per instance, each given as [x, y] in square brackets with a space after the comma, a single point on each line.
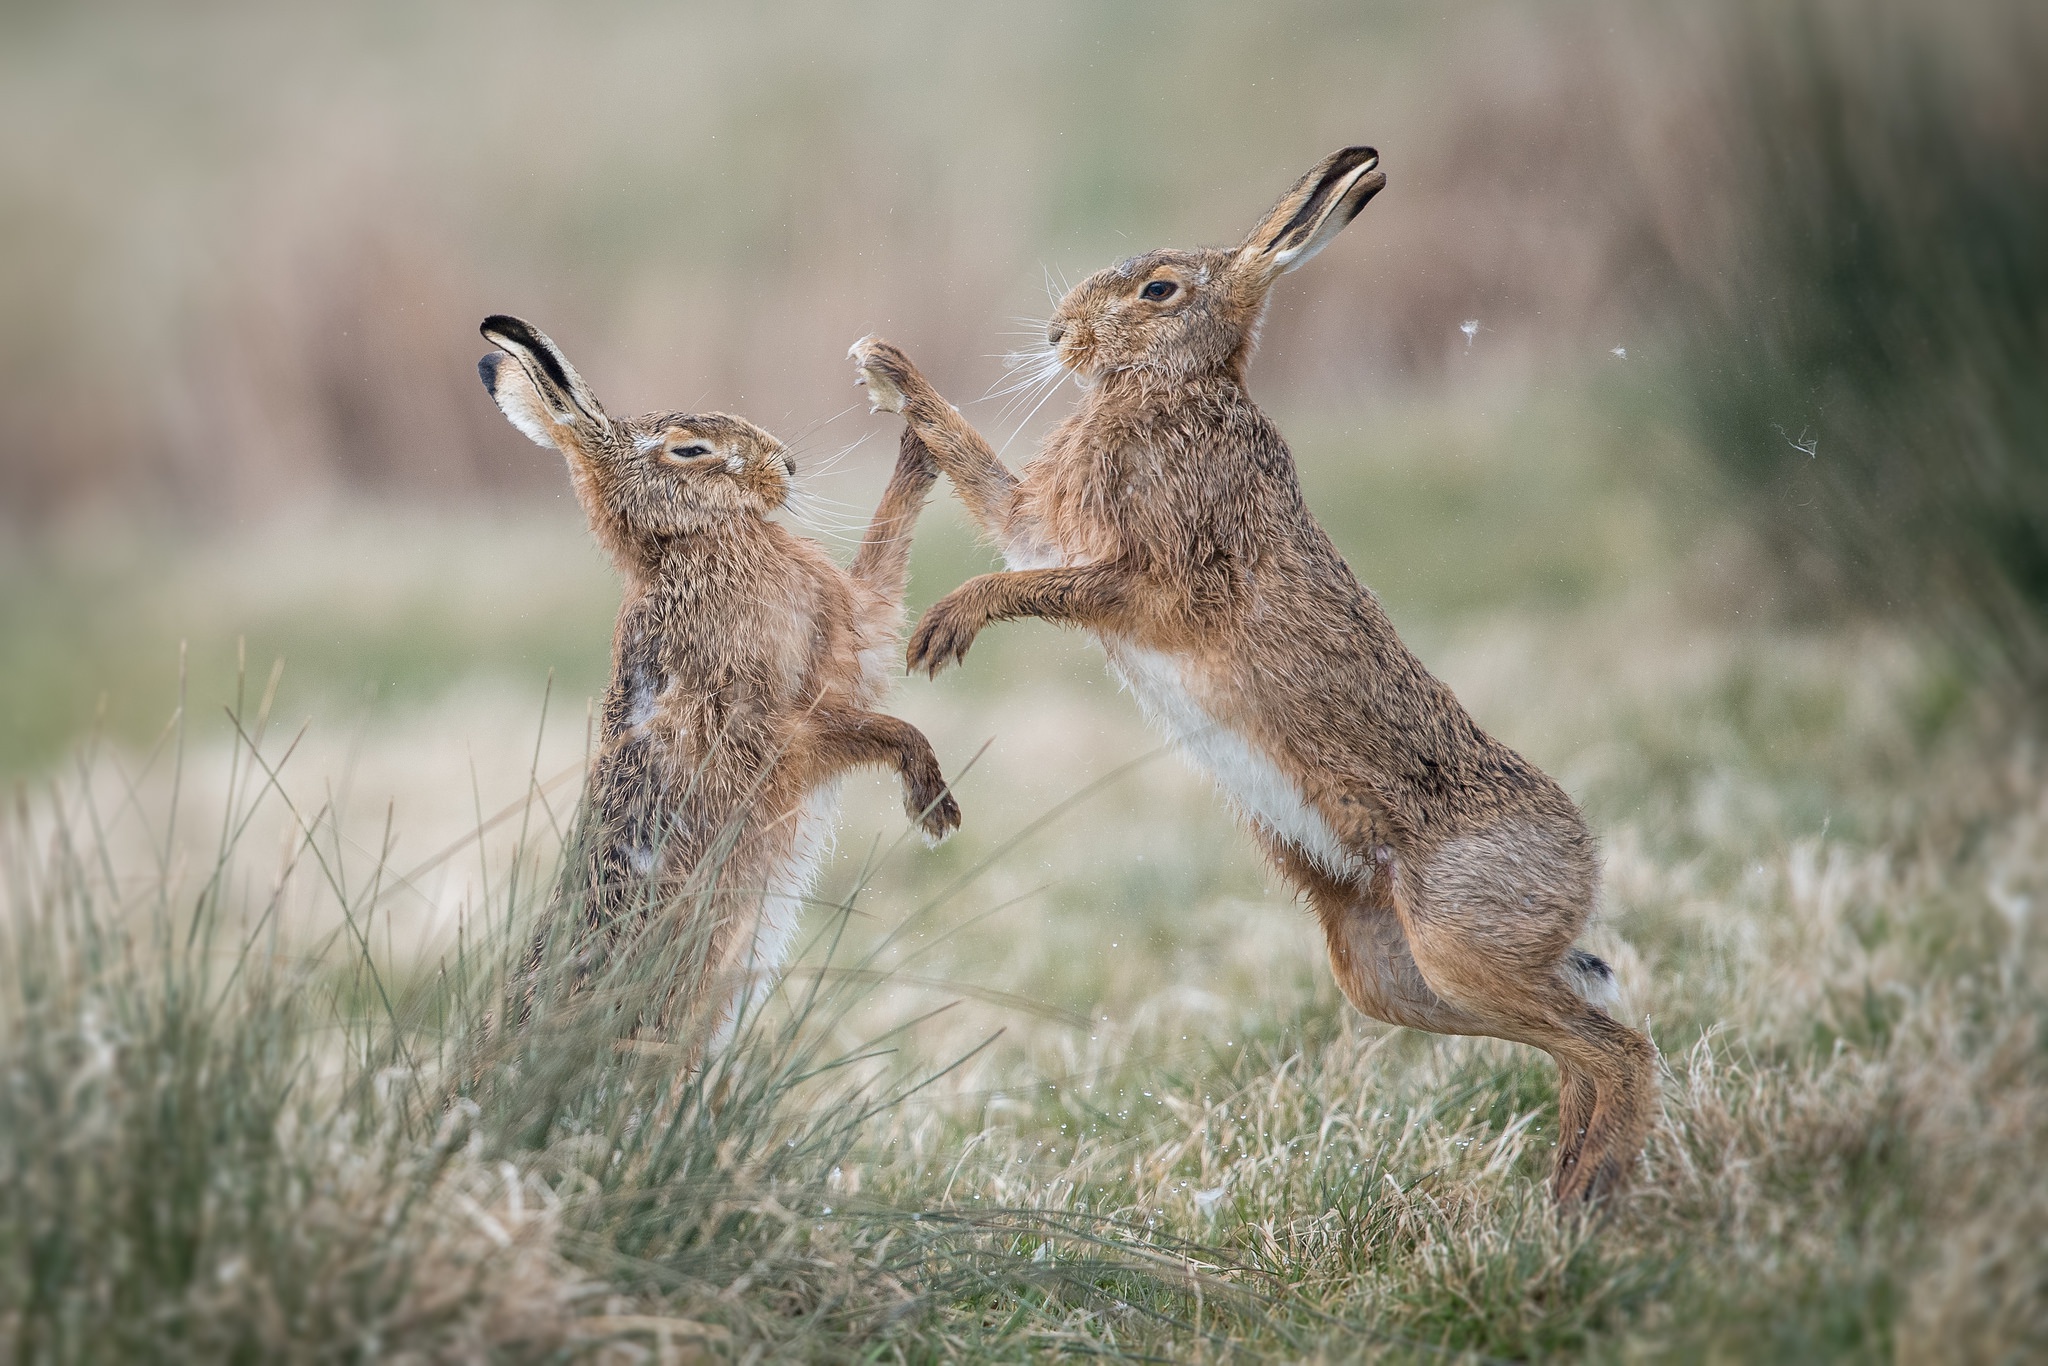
[1450, 875]
[746, 665]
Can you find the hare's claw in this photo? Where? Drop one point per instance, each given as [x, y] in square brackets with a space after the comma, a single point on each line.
[942, 637]
[939, 818]
[929, 801]
[877, 365]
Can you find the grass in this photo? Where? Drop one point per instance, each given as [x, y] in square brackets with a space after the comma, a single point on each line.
[374, 612]
[1074, 1083]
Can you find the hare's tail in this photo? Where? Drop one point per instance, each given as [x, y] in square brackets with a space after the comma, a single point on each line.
[1592, 979]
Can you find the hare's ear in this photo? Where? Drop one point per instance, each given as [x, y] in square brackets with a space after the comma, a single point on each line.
[1313, 212]
[542, 395]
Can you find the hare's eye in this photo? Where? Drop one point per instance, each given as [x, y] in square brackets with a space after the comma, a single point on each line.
[1160, 289]
[690, 452]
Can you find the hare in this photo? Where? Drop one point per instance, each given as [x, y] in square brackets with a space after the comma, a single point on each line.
[746, 667]
[1450, 876]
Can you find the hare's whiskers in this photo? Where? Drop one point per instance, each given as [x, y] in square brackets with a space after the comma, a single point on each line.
[818, 424]
[1030, 379]
[814, 470]
[1024, 367]
[823, 520]
[1051, 389]
[1034, 369]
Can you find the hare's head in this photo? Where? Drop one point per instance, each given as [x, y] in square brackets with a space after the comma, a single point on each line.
[658, 475]
[1194, 312]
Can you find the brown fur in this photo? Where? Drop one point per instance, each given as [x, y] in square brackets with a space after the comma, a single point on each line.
[1450, 875]
[746, 665]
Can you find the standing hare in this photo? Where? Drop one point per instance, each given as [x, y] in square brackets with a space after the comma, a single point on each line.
[746, 667]
[1450, 875]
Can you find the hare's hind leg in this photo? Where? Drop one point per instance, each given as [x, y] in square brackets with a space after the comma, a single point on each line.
[1578, 1096]
[1370, 958]
[1489, 934]
[1597, 1157]
[1606, 1074]
[1377, 972]
[1369, 954]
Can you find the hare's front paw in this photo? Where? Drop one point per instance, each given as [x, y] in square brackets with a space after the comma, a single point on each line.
[949, 626]
[884, 369]
[938, 816]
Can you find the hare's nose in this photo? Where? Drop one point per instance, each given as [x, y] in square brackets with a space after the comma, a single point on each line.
[1053, 333]
[789, 464]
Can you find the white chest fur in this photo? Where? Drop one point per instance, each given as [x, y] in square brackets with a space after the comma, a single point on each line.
[1247, 775]
[789, 885]
[1256, 785]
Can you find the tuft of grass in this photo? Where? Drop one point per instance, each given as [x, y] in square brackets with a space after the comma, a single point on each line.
[221, 1143]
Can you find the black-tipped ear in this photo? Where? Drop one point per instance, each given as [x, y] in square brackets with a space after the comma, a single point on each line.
[567, 398]
[1313, 211]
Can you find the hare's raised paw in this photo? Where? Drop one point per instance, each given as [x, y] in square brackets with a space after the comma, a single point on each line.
[942, 636]
[884, 369]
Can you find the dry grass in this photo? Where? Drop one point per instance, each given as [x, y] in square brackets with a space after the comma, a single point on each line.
[1141, 1121]
[1839, 970]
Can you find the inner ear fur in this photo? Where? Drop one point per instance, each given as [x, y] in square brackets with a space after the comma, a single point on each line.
[561, 392]
[1313, 211]
[506, 381]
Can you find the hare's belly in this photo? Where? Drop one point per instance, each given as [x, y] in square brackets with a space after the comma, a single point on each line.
[1257, 786]
[791, 878]
[788, 886]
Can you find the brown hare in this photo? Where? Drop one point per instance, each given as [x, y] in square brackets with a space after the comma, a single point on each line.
[746, 667]
[1450, 875]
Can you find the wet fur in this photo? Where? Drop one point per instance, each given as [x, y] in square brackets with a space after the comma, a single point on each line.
[1450, 875]
[746, 668]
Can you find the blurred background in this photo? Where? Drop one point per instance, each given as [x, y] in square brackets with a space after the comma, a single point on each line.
[1678, 326]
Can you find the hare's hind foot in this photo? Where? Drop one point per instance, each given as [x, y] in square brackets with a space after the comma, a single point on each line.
[1606, 1071]
[1606, 1087]
[1606, 1101]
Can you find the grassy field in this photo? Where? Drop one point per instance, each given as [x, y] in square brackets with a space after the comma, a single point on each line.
[1075, 1082]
